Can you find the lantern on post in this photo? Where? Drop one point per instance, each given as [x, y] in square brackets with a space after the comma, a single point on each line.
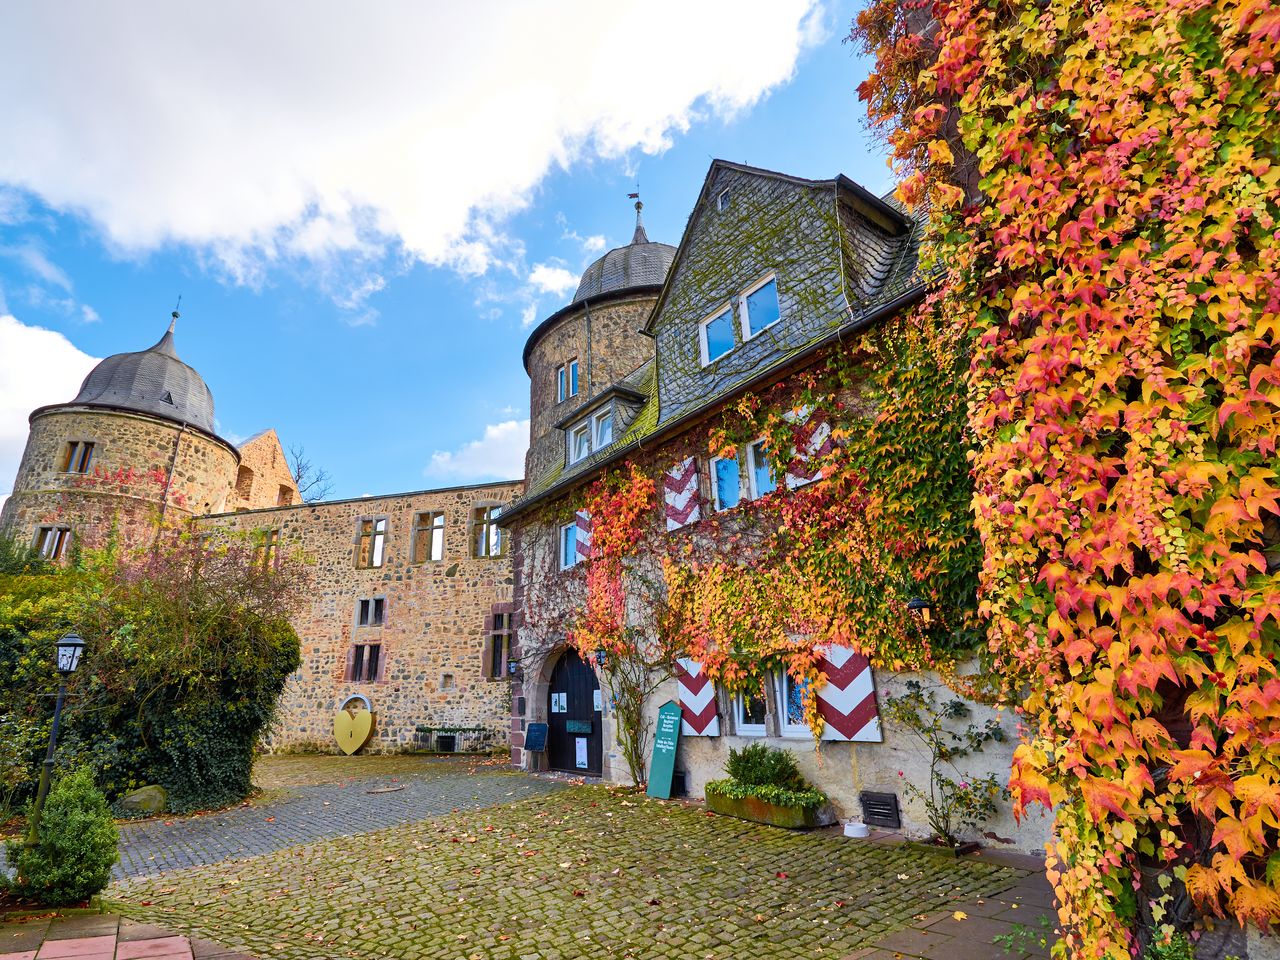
[69, 648]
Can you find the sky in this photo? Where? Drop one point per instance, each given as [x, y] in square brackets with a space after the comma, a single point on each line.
[366, 207]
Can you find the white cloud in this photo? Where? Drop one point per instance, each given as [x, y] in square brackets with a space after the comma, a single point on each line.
[498, 455]
[258, 131]
[593, 243]
[34, 260]
[88, 314]
[528, 315]
[37, 367]
[546, 278]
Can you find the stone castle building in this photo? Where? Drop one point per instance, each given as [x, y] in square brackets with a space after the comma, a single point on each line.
[409, 606]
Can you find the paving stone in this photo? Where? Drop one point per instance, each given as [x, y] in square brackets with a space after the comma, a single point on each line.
[65, 928]
[79, 947]
[22, 935]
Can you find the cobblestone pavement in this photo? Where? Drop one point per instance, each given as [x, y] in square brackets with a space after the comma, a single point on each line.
[582, 872]
[324, 799]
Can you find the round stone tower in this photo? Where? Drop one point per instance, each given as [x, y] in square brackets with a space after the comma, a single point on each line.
[135, 447]
[593, 342]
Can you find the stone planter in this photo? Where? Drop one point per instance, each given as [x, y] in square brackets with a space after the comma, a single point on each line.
[964, 849]
[774, 814]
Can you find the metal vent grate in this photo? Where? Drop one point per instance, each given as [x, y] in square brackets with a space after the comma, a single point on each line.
[880, 809]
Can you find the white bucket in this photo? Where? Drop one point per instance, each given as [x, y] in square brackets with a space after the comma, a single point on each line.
[856, 830]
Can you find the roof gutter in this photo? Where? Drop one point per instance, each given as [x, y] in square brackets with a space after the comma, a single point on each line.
[901, 302]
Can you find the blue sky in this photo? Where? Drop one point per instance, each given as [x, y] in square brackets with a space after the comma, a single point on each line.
[358, 278]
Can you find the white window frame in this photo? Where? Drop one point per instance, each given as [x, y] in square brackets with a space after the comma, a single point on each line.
[562, 382]
[715, 484]
[577, 429]
[745, 321]
[740, 726]
[704, 351]
[596, 442]
[722, 200]
[567, 561]
[780, 680]
[750, 458]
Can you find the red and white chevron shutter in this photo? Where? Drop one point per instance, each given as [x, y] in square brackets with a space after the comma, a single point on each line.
[813, 442]
[583, 522]
[680, 495]
[847, 701]
[697, 700]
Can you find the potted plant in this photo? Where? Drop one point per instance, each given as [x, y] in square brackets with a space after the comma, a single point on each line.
[765, 786]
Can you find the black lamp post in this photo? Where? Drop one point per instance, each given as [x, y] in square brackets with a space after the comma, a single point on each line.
[921, 609]
[513, 668]
[69, 649]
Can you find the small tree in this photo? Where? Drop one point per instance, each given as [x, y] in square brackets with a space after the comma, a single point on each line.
[77, 847]
[313, 483]
[951, 804]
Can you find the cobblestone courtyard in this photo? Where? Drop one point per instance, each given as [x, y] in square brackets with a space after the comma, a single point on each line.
[498, 866]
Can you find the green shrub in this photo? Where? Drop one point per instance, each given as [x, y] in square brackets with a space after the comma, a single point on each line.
[736, 790]
[762, 766]
[77, 845]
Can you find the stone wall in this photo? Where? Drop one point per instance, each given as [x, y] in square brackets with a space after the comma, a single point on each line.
[433, 641]
[613, 349]
[139, 464]
[263, 478]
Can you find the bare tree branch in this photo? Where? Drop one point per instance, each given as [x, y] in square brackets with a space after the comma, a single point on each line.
[314, 483]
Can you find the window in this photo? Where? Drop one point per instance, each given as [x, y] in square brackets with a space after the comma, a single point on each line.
[52, 542]
[446, 681]
[365, 660]
[716, 336]
[499, 644]
[579, 442]
[568, 545]
[791, 706]
[284, 496]
[372, 542]
[749, 713]
[761, 471]
[428, 536]
[268, 548]
[487, 539]
[79, 455]
[371, 612]
[760, 309]
[604, 429]
[566, 381]
[722, 201]
[726, 481]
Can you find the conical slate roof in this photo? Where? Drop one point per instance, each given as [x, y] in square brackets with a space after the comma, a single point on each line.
[151, 381]
[640, 263]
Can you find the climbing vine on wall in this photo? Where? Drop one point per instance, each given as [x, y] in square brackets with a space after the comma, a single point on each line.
[1104, 179]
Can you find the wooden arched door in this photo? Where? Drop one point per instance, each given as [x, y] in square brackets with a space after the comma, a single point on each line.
[575, 741]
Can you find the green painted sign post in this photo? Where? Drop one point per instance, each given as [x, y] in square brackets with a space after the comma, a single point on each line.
[665, 740]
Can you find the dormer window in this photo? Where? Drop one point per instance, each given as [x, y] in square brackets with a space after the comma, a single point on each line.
[759, 308]
[716, 336]
[566, 381]
[593, 433]
[722, 201]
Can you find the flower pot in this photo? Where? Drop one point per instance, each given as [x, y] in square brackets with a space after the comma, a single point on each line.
[790, 817]
[857, 830]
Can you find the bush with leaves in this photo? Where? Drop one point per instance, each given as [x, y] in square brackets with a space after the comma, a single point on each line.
[188, 649]
[77, 845]
[764, 766]
[952, 804]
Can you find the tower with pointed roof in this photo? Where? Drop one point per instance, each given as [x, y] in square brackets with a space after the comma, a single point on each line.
[593, 342]
[135, 447]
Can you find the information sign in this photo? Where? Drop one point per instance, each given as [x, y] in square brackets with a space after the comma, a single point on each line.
[665, 740]
[535, 737]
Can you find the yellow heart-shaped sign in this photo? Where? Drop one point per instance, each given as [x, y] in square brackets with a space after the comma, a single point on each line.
[352, 730]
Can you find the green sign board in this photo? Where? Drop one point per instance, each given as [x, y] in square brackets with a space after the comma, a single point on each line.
[665, 740]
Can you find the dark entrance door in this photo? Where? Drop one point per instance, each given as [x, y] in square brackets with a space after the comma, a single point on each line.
[575, 741]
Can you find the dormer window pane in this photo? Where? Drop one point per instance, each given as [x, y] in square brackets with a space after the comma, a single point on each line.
[579, 443]
[760, 308]
[717, 336]
[604, 429]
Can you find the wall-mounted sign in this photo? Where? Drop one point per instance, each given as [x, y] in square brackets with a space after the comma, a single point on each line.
[595, 699]
[353, 724]
[535, 737]
[577, 726]
[665, 740]
[580, 746]
[559, 703]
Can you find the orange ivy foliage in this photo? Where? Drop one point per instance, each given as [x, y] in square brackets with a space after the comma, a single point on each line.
[1106, 179]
